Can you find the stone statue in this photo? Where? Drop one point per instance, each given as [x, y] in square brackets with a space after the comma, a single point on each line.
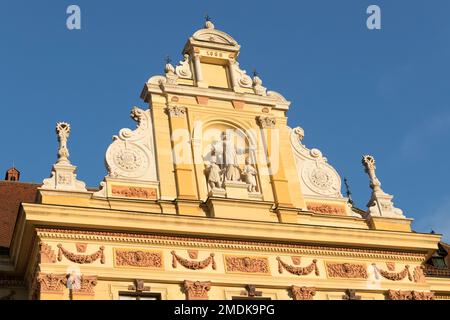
[215, 175]
[63, 131]
[228, 155]
[249, 173]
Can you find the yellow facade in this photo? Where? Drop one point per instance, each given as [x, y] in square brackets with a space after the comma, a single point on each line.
[175, 236]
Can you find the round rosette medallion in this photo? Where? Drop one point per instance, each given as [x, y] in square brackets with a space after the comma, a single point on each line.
[129, 161]
[321, 179]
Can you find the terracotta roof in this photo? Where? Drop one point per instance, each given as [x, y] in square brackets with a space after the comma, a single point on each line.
[12, 194]
[437, 272]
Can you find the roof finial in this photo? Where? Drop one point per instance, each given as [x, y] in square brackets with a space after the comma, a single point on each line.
[63, 172]
[255, 73]
[63, 132]
[380, 203]
[348, 192]
[169, 68]
[208, 22]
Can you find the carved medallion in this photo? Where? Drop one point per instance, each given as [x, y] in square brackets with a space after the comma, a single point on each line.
[247, 264]
[193, 265]
[299, 271]
[390, 266]
[138, 258]
[79, 258]
[81, 247]
[296, 260]
[320, 177]
[302, 293]
[346, 270]
[196, 290]
[127, 160]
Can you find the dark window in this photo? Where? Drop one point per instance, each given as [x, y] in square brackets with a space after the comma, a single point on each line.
[250, 298]
[438, 262]
[139, 296]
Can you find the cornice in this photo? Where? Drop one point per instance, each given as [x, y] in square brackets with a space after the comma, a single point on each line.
[273, 101]
[93, 218]
[207, 243]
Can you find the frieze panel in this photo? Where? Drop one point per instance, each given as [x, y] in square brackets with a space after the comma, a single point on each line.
[326, 208]
[138, 258]
[346, 270]
[247, 264]
[134, 192]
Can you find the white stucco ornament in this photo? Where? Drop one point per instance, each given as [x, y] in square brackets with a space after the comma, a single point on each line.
[380, 203]
[183, 69]
[63, 175]
[317, 177]
[131, 155]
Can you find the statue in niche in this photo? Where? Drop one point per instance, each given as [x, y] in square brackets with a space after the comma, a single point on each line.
[215, 174]
[249, 173]
[226, 152]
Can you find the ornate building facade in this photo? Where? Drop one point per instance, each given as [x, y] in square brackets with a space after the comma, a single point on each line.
[213, 196]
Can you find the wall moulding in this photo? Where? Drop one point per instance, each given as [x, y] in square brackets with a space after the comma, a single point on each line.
[195, 242]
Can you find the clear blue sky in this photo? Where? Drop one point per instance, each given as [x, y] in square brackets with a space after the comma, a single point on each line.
[354, 91]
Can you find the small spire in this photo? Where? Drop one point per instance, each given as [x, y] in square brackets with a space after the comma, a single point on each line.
[348, 192]
[167, 59]
[255, 73]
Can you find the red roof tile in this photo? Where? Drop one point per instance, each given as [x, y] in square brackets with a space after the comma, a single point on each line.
[12, 194]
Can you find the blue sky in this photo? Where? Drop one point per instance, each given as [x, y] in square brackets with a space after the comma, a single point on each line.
[354, 91]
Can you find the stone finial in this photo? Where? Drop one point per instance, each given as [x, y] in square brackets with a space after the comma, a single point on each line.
[257, 86]
[380, 203]
[208, 23]
[63, 175]
[63, 132]
[169, 69]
